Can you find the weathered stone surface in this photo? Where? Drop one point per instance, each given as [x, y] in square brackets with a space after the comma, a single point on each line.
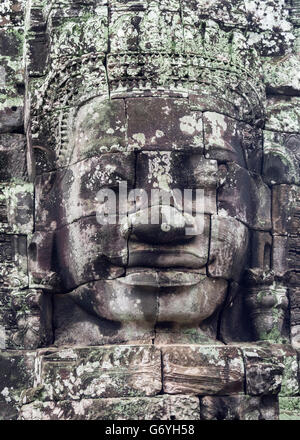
[234, 323]
[177, 177]
[228, 237]
[264, 369]
[239, 408]
[13, 258]
[290, 379]
[184, 84]
[222, 138]
[134, 408]
[103, 261]
[146, 28]
[56, 191]
[149, 246]
[289, 408]
[17, 374]
[283, 114]
[202, 370]
[164, 124]
[17, 201]
[33, 317]
[12, 157]
[83, 373]
[294, 297]
[281, 158]
[281, 74]
[283, 207]
[244, 196]
[268, 306]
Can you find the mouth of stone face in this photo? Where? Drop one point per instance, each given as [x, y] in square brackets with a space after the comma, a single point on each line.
[149, 277]
[161, 258]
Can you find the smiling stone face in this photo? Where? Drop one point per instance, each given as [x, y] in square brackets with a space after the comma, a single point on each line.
[149, 221]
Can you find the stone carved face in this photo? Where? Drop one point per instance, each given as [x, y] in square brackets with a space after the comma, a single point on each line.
[129, 280]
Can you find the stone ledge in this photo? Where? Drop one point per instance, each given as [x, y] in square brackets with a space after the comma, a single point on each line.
[135, 408]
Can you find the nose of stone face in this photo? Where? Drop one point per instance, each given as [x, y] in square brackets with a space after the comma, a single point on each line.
[158, 224]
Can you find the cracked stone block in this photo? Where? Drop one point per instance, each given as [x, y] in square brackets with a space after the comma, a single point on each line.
[239, 408]
[281, 158]
[11, 79]
[94, 372]
[261, 249]
[228, 237]
[264, 370]
[202, 370]
[163, 124]
[134, 408]
[244, 196]
[17, 374]
[193, 305]
[117, 301]
[223, 138]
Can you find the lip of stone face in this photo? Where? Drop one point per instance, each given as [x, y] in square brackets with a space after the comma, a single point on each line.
[161, 278]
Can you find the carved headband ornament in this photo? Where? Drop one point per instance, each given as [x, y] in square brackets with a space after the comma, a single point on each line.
[227, 87]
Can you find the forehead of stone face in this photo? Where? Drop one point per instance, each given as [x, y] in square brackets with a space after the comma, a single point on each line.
[154, 124]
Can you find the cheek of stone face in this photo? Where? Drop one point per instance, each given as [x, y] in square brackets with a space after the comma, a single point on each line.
[228, 247]
[88, 251]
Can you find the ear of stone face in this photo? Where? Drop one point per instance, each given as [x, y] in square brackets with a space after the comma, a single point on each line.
[281, 158]
[234, 318]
